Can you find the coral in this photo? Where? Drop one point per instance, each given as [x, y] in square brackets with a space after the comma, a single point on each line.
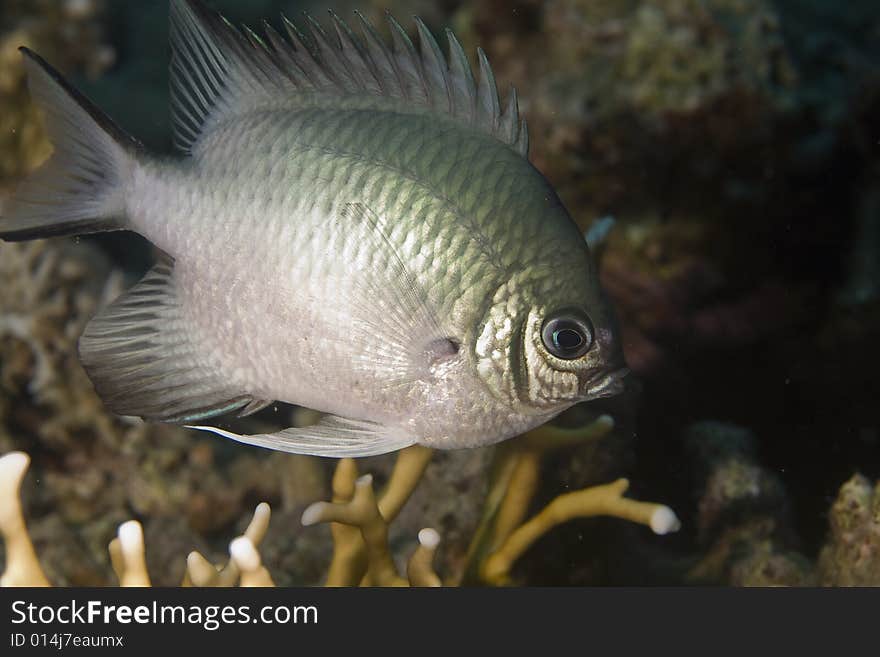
[97, 469]
[360, 532]
[127, 551]
[359, 522]
[504, 535]
[22, 566]
[605, 500]
[607, 80]
[851, 557]
[363, 555]
[745, 542]
[50, 293]
[743, 521]
[746, 531]
[66, 31]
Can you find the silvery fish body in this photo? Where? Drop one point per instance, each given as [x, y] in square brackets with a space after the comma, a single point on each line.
[355, 228]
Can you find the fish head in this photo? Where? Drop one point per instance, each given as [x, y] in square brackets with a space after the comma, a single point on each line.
[549, 339]
[571, 353]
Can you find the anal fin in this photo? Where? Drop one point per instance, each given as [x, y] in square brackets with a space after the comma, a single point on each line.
[333, 436]
[143, 360]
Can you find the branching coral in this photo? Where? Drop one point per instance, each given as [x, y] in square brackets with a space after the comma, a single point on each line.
[605, 500]
[363, 555]
[127, 550]
[360, 520]
[22, 566]
[503, 536]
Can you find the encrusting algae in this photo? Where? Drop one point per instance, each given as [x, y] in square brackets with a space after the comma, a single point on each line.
[360, 520]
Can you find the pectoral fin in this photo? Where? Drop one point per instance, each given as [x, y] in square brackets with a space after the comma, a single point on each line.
[333, 436]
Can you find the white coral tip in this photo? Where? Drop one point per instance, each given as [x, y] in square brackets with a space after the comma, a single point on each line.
[244, 554]
[13, 466]
[664, 521]
[429, 538]
[131, 537]
[312, 514]
[262, 511]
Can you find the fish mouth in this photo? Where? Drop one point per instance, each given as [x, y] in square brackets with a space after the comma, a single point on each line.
[605, 383]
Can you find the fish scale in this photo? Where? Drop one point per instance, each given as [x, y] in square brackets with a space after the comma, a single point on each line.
[355, 229]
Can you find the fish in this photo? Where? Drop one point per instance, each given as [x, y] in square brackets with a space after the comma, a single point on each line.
[349, 224]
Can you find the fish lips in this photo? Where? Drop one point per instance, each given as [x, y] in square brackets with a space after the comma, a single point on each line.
[606, 383]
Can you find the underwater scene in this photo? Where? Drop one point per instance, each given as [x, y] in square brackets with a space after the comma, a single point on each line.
[320, 302]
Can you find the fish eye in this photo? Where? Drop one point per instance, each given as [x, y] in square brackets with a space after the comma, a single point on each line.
[567, 335]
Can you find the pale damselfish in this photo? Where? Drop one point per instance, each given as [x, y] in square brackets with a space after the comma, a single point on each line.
[352, 226]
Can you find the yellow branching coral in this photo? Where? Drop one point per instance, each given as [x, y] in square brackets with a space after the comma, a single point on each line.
[359, 520]
[127, 550]
[503, 536]
[363, 556]
[247, 560]
[128, 555]
[201, 572]
[22, 566]
[604, 500]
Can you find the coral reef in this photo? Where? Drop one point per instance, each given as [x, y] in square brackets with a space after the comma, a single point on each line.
[67, 31]
[360, 522]
[50, 293]
[734, 142]
[743, 518]
[618, 85]
[852, 555]
[98, 469]
[741, 522]
[127, 551]
[746, 529]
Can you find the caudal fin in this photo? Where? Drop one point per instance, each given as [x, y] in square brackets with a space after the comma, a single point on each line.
[80, 188]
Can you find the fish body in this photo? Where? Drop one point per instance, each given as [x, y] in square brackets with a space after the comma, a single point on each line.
[354, 228]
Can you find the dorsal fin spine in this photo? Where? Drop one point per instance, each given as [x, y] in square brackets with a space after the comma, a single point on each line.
[510, 118]
[462, 79]
[303, 53]
[356, 55]
[382, 59]
[522, 140]
[487, 93]
[220, 72]
[406, 57]
[434, 65]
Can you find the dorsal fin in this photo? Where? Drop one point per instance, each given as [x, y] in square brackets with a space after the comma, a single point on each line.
[220, 73]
